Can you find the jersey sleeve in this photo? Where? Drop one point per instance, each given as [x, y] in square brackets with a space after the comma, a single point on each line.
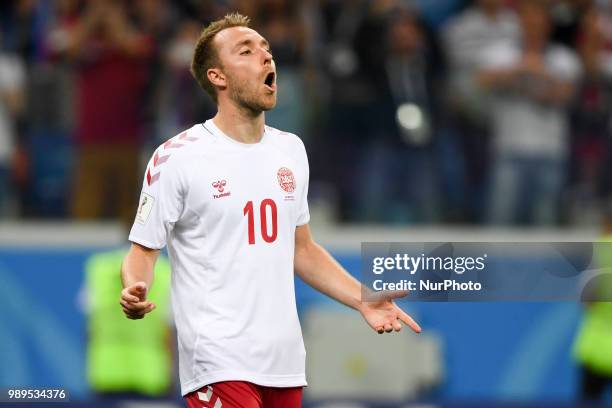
[161, 203]
[303, 213]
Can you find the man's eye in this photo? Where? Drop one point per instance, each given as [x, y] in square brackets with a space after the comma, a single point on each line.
[245, 52]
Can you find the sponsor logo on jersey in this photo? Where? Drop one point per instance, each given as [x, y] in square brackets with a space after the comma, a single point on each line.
[286, 179]
[220, 186]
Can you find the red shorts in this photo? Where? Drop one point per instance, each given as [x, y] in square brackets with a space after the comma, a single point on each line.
[242, 394]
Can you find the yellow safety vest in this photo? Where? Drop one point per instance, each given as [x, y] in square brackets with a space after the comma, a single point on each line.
[593, 346]
[126, 355]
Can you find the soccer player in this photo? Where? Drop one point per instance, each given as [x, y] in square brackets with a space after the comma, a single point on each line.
[228, 198]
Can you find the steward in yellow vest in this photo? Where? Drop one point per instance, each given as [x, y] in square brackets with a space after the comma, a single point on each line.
[127, 356]
[593, 346]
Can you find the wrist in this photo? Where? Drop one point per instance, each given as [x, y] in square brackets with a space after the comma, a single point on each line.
[359, 303]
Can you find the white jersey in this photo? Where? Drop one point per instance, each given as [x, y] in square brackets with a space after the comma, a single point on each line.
[228, 213]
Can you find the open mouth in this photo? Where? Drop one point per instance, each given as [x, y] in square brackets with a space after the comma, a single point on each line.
[269, 81]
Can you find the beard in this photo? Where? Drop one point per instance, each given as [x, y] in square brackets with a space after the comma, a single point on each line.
[246, 96]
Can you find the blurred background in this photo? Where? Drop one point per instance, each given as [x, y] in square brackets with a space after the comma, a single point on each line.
[424, 120]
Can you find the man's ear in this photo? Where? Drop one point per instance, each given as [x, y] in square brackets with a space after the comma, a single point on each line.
[216, 77]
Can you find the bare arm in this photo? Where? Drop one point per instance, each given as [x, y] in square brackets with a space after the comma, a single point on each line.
[79, 35]
[118, 33]
[315, 266]
[14, 100]
[496, 78]
[123, 36]
[531, 78]
[137, 277]
[556, 92]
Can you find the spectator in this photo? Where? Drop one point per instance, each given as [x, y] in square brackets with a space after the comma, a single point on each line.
[156, 19]
[591, 116]
[566, 16]
[23, 38]
[482, 24]
[65, 18]
[181, 102]
[50, 113]
[280, 22]
[126, 360]
[390, 191]
[12, 78]
[531, 83]
[112, 56]
[353, 32]
[105, 76]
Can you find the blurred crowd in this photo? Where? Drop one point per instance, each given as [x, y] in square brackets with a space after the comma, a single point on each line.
[413, 112]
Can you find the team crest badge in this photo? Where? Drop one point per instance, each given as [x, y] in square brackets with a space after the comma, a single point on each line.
[286, 179]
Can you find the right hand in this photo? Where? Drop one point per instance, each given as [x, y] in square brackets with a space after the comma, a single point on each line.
[134, 301]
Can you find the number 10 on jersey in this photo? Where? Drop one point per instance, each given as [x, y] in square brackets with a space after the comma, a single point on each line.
[267, 236]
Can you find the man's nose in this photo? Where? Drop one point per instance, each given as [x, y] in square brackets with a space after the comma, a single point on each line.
[267, 57]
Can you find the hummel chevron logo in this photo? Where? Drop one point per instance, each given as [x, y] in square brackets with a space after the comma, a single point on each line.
[220, 186]
[160, 158]
[183, 136]
[208, 397]
[170, 144]
[205, 396]
[152, 179]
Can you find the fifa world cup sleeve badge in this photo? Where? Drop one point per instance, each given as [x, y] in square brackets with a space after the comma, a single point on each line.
[144, 208]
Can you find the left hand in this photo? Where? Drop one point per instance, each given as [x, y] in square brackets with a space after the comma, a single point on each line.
[383, 315]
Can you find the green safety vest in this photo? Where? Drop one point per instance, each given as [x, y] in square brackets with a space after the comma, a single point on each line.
[126, 355]
[593, 345]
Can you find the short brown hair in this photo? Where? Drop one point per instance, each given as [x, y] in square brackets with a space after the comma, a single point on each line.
[205, 55]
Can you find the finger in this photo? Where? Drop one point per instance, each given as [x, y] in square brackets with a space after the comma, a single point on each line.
[138, 289]
[386, 295]
[125, 295]
[139, 286]
[388, 328]
[140, 311]
[397, 326]
[380, 330]
[409, 321]
[133, 315]
[396, 294]
[135, 306]
[129, 313]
